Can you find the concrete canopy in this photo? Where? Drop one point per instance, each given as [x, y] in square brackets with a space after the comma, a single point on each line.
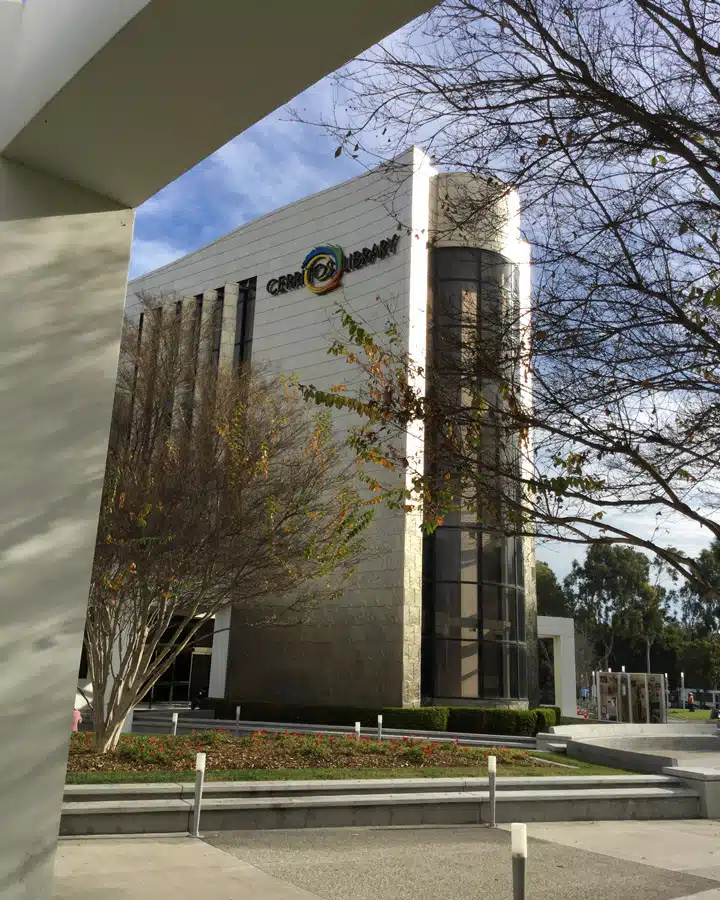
[102, 103]
[124, 97]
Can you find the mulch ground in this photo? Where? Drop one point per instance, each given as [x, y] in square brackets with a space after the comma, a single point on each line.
[145, 753]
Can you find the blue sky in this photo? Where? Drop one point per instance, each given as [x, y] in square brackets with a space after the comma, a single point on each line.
[273, 163]
[276, 162]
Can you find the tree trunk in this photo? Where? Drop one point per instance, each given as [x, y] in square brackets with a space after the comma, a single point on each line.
[109, 717]
[647, 655]
[107, 735]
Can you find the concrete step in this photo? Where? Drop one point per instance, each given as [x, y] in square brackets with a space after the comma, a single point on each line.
[353, 787]
[669, 799]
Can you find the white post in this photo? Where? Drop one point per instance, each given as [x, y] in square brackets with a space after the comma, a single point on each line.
[492, 775]
[629, 690]
[174, 723]
[357, 729]
[682, 690]
[379, 727]
[199, 782]
[518, 848]
[623, 670]
[237, 721]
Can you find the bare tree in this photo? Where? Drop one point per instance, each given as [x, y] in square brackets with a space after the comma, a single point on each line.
[220, 490]
[605, 117]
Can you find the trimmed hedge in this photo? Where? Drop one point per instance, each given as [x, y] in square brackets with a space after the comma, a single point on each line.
[557, 711]
[421, 718]
[425, 718]
[262, 711]
[545, 718]
[478, 720]
[471, 719]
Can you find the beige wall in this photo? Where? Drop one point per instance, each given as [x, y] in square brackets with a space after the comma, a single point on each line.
[365, 647]
[63, 272]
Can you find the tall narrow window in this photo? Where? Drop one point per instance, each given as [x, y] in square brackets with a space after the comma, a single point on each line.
[244, 322]
[217, 328]
[474, 637]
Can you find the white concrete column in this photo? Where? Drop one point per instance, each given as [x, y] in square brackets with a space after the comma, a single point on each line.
[562, 632]
[565, 682]
[228, 336]
[220, 647]
[182, 396]
[204, 346]
[63, 269]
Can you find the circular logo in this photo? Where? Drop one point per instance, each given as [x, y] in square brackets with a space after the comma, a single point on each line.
[322, 269]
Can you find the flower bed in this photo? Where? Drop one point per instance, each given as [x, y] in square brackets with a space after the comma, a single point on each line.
[144, 753]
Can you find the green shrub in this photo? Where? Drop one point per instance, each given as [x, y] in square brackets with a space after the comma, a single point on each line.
[421, 718]
[477, 720]
[266, 711]
[425, 718]
[557, 711]
[546, 718]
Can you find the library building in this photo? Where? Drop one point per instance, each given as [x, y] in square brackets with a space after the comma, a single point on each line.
[447, 619]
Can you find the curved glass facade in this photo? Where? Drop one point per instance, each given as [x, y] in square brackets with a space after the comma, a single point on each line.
[474, 644]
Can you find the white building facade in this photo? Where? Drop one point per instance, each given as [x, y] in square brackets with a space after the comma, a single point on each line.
[446, 619]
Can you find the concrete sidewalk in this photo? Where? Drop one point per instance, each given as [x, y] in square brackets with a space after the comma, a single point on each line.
[162, 868]
[659, 860]
[471, 862]
[691, 846]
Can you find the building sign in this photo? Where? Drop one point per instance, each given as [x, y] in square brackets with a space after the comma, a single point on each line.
[323, 268]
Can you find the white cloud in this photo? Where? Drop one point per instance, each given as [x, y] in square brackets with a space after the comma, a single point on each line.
[148, 255]
[673, 531]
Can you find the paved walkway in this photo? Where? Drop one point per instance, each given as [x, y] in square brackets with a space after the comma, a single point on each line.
[567, 861]
[171, 868]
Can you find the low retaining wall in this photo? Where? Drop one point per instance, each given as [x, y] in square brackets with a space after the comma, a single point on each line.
[143, 809]
[619, 757]
[637, 748]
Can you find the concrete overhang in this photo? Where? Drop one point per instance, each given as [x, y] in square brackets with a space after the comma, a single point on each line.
[123, 96]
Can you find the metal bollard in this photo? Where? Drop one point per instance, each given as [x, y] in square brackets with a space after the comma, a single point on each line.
[174, 723]
[357, 729]
[379, 728]
[518, 848]
[492, 775]
[237, 721]
[199, 782]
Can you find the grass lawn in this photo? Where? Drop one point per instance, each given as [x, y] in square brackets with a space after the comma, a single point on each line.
[266, 757]
[578, 768]
[684, 715]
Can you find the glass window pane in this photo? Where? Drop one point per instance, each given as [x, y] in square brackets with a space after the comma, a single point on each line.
[458, 262]
[492, 549]
[466, 517]
[456, 669]
[180, 693]
[510, 550]
[519, 564]
[455, 555]
[495, 621]
[456, 613]
[514, 671]
[521, 635]
[181, 666]
[492, 669]
[522, 671]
